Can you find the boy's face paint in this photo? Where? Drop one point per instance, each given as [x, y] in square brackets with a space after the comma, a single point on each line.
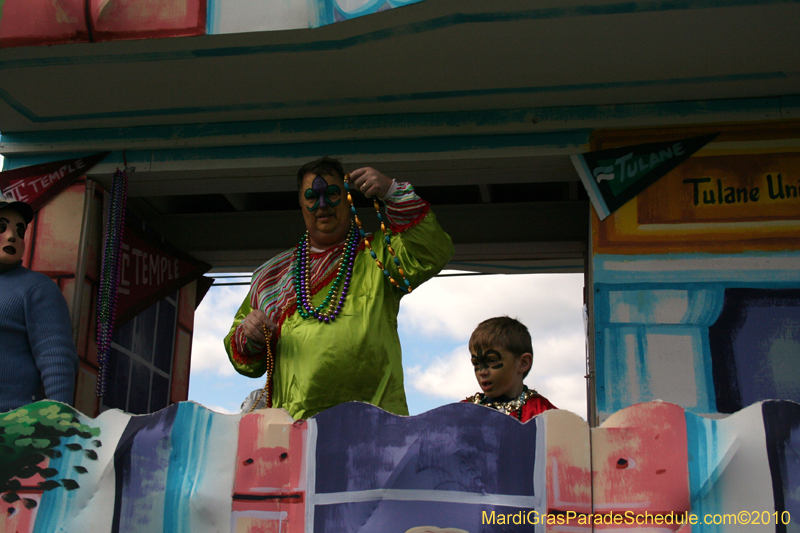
[324, 194]
[488, 359]
[12, 236]
[498, 372]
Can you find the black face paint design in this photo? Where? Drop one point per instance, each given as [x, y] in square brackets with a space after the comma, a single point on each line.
[491, 359]
[322, 192]
[20, 228]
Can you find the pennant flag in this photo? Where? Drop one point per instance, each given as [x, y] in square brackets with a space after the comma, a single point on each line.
[150, 270]
[615, 176]
[38, 184]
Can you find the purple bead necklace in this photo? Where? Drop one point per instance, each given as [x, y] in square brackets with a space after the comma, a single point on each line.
[109, 277]
[330, 307]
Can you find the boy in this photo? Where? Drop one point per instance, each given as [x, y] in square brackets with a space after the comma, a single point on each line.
[502, 356]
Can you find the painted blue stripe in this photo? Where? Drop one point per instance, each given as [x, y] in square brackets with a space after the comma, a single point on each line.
[702, 444]
[790, 101]
[563, 140]
[601, 315]
[17, 106]
[703, 369]
[382, 99]
[211, 17]
[55, 505]
[767, 277]
[372, 6]
[488, 118]
[642, 370]
[190, 435]
[456, 119]
[367, 9]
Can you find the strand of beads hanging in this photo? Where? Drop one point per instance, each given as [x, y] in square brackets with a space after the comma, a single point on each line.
[109, 277]
[387, 237]
[267, 390]
[331, 306]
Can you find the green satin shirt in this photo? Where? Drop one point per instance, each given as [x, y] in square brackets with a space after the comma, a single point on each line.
[357, 357]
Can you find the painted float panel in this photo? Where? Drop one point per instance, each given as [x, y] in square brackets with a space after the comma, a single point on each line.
[354, 468]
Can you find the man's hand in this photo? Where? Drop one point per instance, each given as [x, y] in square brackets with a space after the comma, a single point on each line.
[370, 182]
[253, 327]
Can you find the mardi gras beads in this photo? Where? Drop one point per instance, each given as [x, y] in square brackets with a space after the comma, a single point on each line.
[387, 236]
[109, 277]
[267, 390]
[330, 307]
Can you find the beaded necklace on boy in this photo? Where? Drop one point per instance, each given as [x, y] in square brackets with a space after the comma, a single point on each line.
[508, 406]
[387, 236]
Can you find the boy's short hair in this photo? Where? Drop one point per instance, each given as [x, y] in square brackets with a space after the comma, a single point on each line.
[505, 332]
[323, 165]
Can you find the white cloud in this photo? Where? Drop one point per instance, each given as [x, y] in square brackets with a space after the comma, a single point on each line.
[452, 307]
[449, 376]
[212, 321]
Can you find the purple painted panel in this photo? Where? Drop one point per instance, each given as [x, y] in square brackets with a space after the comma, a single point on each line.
[361, 447]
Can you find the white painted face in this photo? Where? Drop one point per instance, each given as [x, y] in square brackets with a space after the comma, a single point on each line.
[12, 236]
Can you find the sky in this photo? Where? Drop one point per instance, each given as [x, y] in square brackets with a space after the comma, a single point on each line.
[434, 324]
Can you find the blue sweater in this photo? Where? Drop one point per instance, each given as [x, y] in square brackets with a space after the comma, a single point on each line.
[37, 355]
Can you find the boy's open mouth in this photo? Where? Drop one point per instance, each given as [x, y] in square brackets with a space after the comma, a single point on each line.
[10, 250]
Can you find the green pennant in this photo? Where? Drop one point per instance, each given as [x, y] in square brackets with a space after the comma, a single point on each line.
[613, 177]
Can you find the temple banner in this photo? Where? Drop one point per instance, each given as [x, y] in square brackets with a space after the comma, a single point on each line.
[613, 177]
[150, 269]
[38, 184]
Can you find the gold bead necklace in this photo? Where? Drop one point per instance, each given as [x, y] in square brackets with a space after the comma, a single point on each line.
[267, 390]
[387, 236]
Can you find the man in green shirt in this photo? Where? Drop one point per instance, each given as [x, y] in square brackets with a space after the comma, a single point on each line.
[329, 306]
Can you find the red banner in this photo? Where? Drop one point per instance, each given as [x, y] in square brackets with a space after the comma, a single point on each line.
[38, 184]
[151, 269]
